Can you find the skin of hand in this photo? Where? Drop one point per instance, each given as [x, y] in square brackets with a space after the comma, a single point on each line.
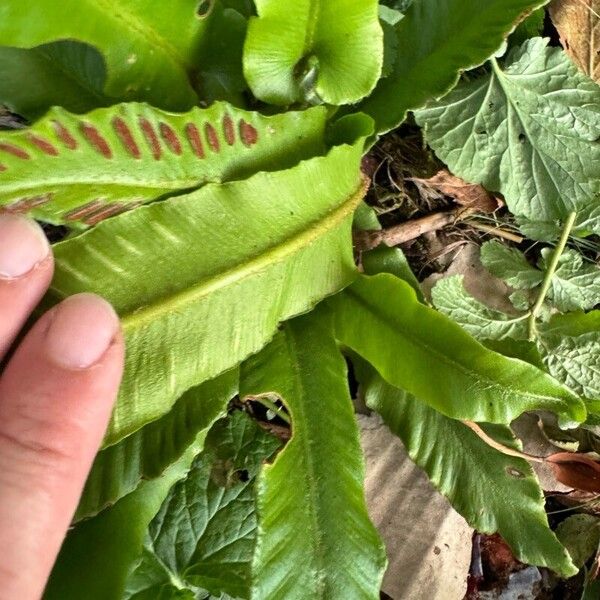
[56, 395]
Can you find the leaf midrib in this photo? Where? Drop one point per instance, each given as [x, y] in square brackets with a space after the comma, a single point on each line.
[115, 11]
[376, 312]
[273, 255]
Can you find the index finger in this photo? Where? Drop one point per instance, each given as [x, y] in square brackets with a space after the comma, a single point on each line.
[26, 268]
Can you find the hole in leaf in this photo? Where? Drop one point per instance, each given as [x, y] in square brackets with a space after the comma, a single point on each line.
[522, 138]
[243, 475]
[204, 8]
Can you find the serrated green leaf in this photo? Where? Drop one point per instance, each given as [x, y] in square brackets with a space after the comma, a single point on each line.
[246, 256]
[576, 361]
[148, 50]
[64, 73]
[528, 130]
[436, 40]
[575, 284]
[581, 536]
[422, 351]
[145, 454]
[492, 491]
[333, 51]
[315, 486]
[204, 533]
[98, 554]
[82, 169]
[510, 265]
[451, 298]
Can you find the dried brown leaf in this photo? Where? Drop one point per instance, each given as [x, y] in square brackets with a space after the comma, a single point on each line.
[576, 470]
[578, 24]
[465, 194]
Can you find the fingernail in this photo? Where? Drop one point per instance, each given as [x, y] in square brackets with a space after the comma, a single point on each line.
[82, 329]
[23, 245]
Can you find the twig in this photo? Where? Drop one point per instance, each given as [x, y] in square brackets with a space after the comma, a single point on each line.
[410, 230]
[537, 307]
[500, 447]
[507, 235]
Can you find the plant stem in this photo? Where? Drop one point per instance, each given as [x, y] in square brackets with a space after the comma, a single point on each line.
[270, 405]
[537, 307]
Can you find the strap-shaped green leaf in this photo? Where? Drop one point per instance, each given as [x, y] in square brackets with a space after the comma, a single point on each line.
[65, 73]
[247, 256]
[82, 169]
[436, 40]
[492, 491]
[315, 539]
[313, 50]
[422, 351]
[145, 454]
[149, 49]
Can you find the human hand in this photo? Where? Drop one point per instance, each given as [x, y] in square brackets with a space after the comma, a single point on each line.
[56, 396]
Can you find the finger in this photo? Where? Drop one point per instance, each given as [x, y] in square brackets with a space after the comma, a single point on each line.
[56, 397]
[26, 267]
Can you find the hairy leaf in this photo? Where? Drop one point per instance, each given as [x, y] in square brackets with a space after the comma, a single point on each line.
[492, 491]
[436, 40]
[313, 492]
[313, 50]
[575, 284]
[74, 169]
[98, 554]
[246, 258]
[510, 265]
[148, 50]
[67, 73]
[528, 130]
[425, 353]
[145, 454]
[574, 359]
[204, 533]
[451, 298]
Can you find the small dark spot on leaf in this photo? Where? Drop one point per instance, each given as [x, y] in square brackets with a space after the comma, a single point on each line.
[204, 8]
[243, 475]
[481, 132]
[522, 138]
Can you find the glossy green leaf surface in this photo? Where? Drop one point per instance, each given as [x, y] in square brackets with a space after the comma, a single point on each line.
[422, 351]
[99, 553]
[492, 491]
[313, 50]
[263, 258]
[204, 533]
[145, 454]
[82, 169]
[313, 492]
[66, 73]
[528, 130]
[436, 40]
[148, 49]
